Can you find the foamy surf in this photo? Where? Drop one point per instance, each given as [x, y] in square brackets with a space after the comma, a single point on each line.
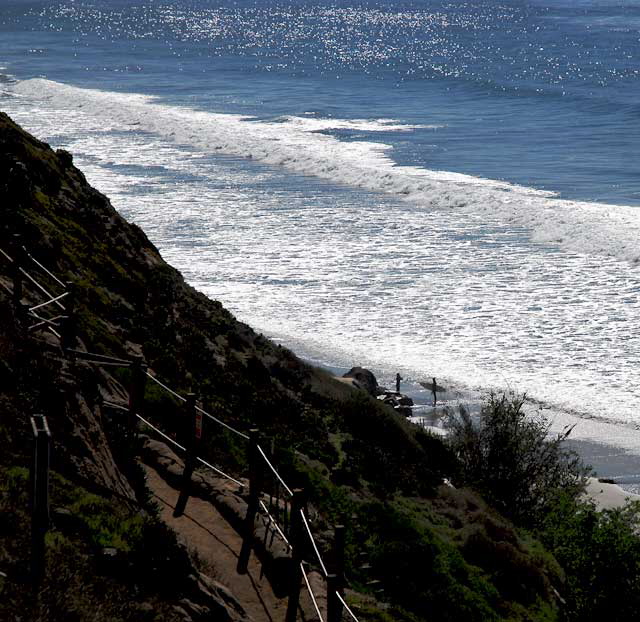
[297, 145]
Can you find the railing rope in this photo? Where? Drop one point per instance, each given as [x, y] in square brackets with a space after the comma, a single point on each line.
[115, 406]
[160, 432]
[313, 543]
[100, 359]
[222, 423]
[48, 302]
[165, 387]
[198, 408]
[273, 470]
[43, 289]
[274, 523]
[217, 470]
[179, 446]
[311, 594]
[53, 276]
[344, 604]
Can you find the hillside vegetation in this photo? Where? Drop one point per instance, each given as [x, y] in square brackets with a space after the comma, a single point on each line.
[434, 551]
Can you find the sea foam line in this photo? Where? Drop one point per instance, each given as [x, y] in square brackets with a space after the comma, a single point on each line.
[294, 143]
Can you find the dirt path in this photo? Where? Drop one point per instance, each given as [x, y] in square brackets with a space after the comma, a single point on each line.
[206, 532]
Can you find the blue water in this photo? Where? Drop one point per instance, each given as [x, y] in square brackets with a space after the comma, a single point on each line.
[441, 189]
[542, 94]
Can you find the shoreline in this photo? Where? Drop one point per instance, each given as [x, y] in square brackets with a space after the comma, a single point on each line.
[609, 460]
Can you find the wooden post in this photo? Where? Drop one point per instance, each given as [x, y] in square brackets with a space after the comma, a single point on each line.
[298, 503]
[39, 495]
[336, 580]
[255, 485]
[69, 330]
[334, 606]
[17, 264]
[193, 427]
[136, 393]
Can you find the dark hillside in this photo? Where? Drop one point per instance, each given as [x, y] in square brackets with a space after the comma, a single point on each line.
[437, 553]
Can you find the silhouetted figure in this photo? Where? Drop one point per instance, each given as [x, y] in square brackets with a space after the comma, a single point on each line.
[433, 390]
[398, 379]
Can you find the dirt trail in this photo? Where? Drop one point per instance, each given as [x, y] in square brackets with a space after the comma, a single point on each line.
[206, 532]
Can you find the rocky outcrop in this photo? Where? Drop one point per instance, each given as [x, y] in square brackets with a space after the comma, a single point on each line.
[364, 379]
[399, 402]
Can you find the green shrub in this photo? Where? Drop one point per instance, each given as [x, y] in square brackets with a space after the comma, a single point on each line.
[600, 553]
[509, 457]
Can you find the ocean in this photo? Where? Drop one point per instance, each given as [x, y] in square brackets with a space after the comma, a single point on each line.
[441, 188]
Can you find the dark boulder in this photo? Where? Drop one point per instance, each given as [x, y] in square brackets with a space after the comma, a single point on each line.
[364, 378]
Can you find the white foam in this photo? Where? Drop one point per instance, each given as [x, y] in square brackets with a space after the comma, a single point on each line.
[296, 145]
[311, 124]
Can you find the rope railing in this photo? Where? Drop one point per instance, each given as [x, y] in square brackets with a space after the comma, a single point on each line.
[179, 446]
[40, 325]
[99, 359]
[43, 289]
[275, 523]
[48, 272]
[222, 423]
[115, 406]
[273, 470]
[50, 320]
[161, 433]
[313, 543]
[165, 387]
[217, 470]
[55, 332]
[201, 410]
[311, 594]
[344, 604]
[48, 302]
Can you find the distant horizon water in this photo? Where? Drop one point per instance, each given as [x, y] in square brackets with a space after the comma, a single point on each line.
[447, 190]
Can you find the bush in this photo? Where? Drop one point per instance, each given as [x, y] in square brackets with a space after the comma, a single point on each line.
[510, 458]
[600, 553]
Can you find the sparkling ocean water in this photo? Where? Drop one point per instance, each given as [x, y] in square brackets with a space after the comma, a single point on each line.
[439, 188]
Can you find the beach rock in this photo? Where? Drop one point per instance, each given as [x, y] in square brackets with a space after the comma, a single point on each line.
[399, 402]
[365, 379]
[405, 400]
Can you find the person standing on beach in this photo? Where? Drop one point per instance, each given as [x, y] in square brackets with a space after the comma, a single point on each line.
[433, 390]
[398, 379]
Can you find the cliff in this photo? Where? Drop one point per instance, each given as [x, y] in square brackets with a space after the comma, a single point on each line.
[438, 553]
